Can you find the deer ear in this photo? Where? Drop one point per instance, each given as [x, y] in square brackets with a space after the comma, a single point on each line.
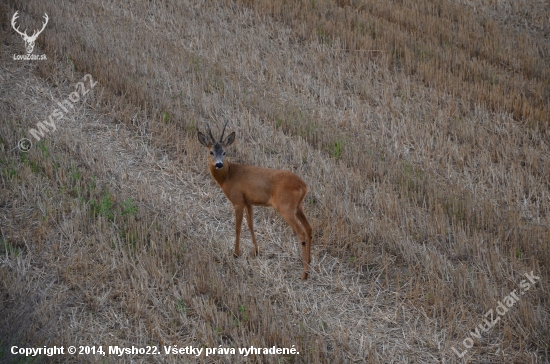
[204, 140]
[229, 140]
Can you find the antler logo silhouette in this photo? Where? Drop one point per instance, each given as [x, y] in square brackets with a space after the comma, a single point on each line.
[29, 41]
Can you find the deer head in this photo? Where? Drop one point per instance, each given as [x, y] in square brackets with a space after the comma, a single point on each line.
[217, 152]
[29, 41]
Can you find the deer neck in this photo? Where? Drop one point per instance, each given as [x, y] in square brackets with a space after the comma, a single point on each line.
[222, 174]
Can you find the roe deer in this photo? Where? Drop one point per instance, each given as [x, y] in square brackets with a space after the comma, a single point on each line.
[246, 186]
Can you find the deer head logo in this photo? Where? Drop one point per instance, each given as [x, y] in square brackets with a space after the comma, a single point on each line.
[29, 41]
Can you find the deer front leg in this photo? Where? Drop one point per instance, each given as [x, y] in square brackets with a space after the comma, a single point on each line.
[290, 218]
[250, 221]
[306, 248]
[238, 223]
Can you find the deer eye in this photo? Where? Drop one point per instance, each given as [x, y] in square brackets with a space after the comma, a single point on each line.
[211, 153]
[223, 153]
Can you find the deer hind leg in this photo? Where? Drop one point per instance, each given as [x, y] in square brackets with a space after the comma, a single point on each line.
[250, 221]
[306, 248]
[238, 224]
[290, 218]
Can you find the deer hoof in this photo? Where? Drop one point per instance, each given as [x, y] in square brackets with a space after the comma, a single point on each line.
[236, 254]
[305, 275]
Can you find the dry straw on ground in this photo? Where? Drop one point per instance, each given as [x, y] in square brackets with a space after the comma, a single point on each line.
[420, 127]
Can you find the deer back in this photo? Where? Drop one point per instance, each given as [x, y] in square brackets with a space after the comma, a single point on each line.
[256, 185]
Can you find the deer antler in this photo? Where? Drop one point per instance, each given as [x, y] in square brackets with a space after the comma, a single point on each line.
[210, 132]
[223, 132]
[13, 19]
[35, 35]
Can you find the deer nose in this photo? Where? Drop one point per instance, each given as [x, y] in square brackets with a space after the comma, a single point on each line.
[219, 165]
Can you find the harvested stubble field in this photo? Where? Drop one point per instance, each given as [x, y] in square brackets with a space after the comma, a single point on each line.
[420, 127]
